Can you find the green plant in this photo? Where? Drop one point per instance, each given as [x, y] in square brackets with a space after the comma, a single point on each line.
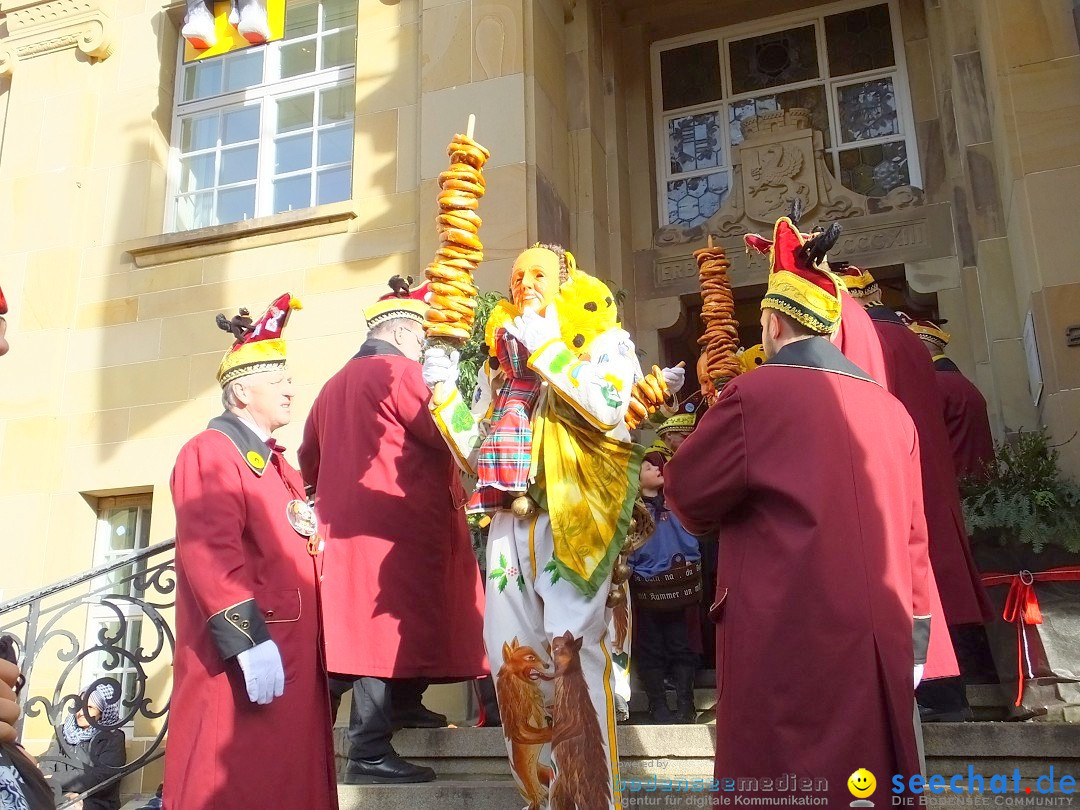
[474, 352]
[1025, 497]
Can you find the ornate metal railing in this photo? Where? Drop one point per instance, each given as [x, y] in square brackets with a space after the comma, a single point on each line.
[126, 597]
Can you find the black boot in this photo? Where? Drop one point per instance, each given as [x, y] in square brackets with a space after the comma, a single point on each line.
[685, 710]
[653, 681]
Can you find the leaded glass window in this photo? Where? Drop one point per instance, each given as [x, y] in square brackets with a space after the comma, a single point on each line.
[842, 66]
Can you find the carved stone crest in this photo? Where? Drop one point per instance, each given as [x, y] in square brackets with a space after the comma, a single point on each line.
[32, 29]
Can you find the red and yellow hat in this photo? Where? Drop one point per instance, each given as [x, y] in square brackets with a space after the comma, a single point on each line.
[682, 421]
[928, 330]
[800, 285]
[858, 282]
[401, 302]
[3, 304]
[259, 345]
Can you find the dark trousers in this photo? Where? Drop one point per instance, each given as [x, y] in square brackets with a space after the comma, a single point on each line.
[374, 701]
[662, 640]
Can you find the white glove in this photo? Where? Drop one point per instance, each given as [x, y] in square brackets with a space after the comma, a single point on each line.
[674, 377]
[533, 330]
[263, 672]
[440, 367]
[918, 674]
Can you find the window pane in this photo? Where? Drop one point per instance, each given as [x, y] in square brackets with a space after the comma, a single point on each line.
[122, 529]
[198, 133]
[690, 75]
[297, 58]
[692, 201]
[300, 19]
[694, 142]
[293, 153]
[241, 125]
[810, 98]
[238, 165]
[244, 69]
[197, 173]
[338, 14]
[236, 204]
[194, 211]
[337, 104]
[144, 527]
[339, 49]
[859, 40]
[334, 185]
[295, 113]
[335, 145]
[292, 193]
[784, 57]
[867, 110]
[202, 79]
[875, 170]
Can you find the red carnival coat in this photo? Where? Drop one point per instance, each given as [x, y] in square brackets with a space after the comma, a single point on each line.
[810, 471]
[912, 380]
[858, 340]
[243, 576]
[402, 595]
[966, 419]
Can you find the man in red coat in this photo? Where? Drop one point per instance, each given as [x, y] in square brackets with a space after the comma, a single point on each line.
[402, 596]
[964, 406]
[912, 380]
[816, 600]
[247, 723]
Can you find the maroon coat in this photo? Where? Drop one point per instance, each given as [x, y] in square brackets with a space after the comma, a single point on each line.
[243, 576]
[858, 340]
[912, 380]
[402, 596]
[966, 419]
[810, 471]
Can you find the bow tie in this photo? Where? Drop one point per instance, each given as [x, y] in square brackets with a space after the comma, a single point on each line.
[274, 446]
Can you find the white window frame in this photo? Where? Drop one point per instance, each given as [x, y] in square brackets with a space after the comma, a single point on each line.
[768, 25]
[266, 95]
[96, 615]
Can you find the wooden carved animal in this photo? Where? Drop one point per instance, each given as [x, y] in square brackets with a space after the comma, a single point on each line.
[239, 325]
[401, 286]
[525, 723]
[577, 744]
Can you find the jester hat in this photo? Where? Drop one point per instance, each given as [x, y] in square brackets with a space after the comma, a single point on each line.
[259, 345]
[928, 330]
[858, 282]
[401, 302]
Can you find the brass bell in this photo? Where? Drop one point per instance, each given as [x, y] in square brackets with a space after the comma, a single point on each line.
[522, 507]
[615, 597]
[620, 573]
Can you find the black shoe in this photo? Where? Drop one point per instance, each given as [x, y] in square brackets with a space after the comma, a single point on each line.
[961, 715]
[389, 769]
[685, 710]
[422, 717]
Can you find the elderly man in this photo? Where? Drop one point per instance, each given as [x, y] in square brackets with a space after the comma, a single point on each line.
[402, 597]
[831, 600]
[247, 727]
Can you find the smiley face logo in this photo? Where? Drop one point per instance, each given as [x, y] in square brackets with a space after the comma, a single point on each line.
[861, 783]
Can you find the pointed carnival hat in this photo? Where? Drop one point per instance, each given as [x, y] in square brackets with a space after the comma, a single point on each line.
[858, 282]
[684, 420]
[401, 302]
[259, 345]
[928, 330]
[800, 284]
[3, 304]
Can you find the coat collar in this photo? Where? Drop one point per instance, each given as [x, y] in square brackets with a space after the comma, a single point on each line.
[818, 353]
[943, 363]
[883, 313]
[374, 347]
[255, 452]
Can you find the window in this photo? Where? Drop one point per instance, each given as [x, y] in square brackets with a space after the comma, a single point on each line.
[123, 526]
[267, 129]
[844, 64]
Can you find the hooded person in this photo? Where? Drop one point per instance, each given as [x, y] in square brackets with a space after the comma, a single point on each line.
[963, 405]
[248, 670]
[402, 596]
[816, 607]
[92, 738]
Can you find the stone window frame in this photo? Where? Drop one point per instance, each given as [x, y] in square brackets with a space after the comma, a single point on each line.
[766, 25]
[264, 218]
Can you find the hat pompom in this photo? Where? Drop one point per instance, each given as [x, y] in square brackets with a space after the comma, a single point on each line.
[294, 303]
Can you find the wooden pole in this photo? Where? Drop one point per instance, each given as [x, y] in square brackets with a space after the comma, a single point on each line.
[472, 126]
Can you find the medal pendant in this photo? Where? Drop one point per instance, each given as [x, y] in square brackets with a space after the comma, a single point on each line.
[302, 518]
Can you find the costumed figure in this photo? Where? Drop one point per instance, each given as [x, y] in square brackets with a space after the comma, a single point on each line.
[831, 601]
[248, 672]
[248, 17]
[402, 596]
[964, 406]
[913, 381]
[546, 439]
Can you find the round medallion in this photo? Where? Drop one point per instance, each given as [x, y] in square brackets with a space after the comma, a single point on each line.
[302, 518]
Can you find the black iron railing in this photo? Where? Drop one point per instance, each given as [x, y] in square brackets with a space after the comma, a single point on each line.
[122, 604]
